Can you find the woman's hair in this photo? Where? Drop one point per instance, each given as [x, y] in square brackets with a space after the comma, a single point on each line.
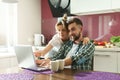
[63, 22]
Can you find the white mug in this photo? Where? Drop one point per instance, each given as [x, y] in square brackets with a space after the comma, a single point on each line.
[61, 64]
[54, 66]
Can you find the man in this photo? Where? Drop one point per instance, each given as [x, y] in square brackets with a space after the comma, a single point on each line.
[74, 52]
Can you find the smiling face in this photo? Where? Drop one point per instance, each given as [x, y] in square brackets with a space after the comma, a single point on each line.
[63, 32]
[75, 31]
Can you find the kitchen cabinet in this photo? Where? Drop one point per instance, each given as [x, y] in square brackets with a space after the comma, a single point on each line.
[119, 62]
[105, 61]
[90, 6]
[84, 7]
[116, 5]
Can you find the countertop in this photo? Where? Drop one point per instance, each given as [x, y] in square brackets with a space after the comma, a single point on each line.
[103, 48]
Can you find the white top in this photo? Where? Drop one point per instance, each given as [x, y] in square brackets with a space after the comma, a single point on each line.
[73, 50]
[56, 43]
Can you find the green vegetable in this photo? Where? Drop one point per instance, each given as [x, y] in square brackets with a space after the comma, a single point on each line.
[115, 39]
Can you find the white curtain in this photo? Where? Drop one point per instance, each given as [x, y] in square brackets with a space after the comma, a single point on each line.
[8, 25]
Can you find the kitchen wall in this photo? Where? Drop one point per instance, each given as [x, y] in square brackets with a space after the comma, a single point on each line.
[99, 27]
[48, 22]
[29, 20]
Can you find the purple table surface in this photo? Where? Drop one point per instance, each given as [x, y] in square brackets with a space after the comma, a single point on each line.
[24, 75]
[29, 75]
[16, 76]
[97, 76]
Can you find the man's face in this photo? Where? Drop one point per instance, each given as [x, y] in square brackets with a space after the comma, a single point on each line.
[74, 31]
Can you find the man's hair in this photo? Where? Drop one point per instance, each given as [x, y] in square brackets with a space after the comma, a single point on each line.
[75, 20]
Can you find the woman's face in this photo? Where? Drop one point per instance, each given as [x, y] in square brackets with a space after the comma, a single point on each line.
[63, 33]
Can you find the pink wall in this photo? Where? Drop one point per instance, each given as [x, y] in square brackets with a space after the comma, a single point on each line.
[102, 27]
[95, 26]
[48, 22]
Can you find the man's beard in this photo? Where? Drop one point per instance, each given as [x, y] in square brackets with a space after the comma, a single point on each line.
[75, 37]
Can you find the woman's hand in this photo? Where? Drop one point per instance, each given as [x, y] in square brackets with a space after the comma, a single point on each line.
[86, 40]
[38, 53]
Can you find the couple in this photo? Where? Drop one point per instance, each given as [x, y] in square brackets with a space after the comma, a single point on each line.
[73, 51]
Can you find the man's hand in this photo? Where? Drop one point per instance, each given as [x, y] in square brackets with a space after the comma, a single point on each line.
[43, 62]
[68, 61]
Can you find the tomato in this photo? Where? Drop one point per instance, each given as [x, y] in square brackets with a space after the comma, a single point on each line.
[101, 43]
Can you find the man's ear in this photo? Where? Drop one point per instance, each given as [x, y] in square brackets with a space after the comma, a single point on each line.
[81, 29]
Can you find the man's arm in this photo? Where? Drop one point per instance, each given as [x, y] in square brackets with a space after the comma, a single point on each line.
[68, 61]
[82, 55]
[62, 51]
[85, 53]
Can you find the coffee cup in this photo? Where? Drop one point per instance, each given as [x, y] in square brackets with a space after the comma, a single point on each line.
[54, 66]
[61, 64]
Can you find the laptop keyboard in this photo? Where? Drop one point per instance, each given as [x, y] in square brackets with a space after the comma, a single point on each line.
[42, 68]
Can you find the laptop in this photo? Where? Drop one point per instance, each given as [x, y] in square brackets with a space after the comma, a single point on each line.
[26, 58]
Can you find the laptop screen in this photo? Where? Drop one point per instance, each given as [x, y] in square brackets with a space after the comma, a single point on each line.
[25, 56]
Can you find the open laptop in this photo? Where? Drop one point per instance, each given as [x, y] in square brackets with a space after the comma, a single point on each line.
[26, 58]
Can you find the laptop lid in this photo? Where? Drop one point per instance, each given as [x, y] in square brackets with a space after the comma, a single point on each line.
[25, 57]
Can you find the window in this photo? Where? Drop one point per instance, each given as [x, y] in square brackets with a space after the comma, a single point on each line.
[8, 26]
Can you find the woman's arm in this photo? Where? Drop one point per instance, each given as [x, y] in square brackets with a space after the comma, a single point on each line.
[44, 51]
[48, 47]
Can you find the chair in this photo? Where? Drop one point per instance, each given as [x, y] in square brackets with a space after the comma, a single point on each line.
[92, 63]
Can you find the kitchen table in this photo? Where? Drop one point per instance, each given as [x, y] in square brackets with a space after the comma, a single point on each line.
[66, 74]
